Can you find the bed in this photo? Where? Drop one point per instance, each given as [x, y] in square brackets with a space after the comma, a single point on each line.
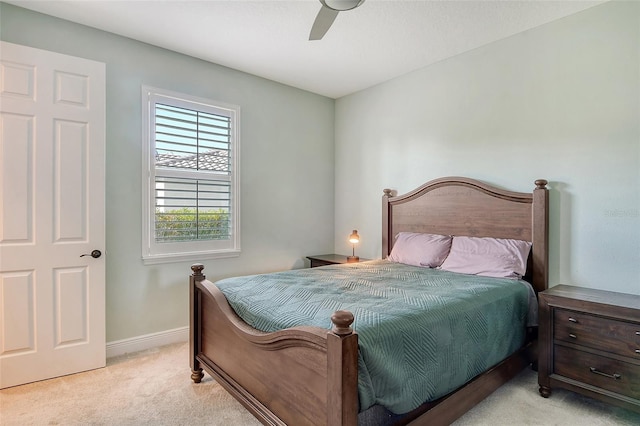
[309, 374]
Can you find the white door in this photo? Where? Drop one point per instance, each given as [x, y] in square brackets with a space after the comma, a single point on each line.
[52, 143]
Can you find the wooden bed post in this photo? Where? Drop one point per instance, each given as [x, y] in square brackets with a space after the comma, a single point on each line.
[386, 243]
[540, 236]
[194, 323]
[342, 371]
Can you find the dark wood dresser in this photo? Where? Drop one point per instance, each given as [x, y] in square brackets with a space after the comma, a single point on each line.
[589, 342]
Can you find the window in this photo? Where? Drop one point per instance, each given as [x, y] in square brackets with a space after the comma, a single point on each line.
[190, 179]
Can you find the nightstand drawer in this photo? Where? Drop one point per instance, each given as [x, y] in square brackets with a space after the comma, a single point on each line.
[606, 373]
[618, 337]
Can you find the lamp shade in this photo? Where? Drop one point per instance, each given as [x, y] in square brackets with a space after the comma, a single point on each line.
[341, 5]
[354, 238]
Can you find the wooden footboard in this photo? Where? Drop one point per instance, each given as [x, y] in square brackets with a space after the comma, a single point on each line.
[298, 376]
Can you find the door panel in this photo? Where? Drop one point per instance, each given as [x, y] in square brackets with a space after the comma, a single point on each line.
[52, 300]
[70, 177]
[71, 306]
[17, 324]
[16, 169]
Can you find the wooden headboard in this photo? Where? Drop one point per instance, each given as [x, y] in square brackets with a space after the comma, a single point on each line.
[463, 206]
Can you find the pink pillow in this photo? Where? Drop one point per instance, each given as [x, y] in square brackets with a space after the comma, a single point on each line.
[420, 249]
[491, 257]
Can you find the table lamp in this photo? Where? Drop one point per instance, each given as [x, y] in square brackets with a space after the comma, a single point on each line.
[354, 239]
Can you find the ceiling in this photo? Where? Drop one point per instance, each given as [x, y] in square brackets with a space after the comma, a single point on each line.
[365, 46]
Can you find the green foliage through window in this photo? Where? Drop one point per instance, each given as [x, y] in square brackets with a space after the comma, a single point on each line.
[188, 224]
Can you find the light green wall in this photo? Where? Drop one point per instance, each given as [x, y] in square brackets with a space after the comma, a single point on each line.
[286, 172]
[559, 102]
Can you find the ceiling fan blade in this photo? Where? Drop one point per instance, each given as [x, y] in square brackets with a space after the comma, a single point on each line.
[323, 22]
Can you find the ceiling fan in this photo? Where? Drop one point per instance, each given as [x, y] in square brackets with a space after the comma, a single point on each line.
[328, 13]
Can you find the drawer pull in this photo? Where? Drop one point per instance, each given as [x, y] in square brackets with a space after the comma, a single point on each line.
[614, 376]
[637, 333]
[638, 351]
[571, 319]
[573, 336]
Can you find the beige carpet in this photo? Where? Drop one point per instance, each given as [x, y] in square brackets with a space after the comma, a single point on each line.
[153, 387]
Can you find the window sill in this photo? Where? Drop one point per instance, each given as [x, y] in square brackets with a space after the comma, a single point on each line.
[183, 257]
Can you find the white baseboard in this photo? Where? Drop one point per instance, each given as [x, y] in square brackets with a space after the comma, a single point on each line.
[148, 341]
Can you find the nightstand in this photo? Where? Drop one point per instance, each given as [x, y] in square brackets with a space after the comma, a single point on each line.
[589, 342]
[328, 259]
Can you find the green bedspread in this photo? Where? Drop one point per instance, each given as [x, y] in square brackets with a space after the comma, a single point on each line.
[421, 332]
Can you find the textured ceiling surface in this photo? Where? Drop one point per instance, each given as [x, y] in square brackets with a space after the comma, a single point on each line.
[368, 45]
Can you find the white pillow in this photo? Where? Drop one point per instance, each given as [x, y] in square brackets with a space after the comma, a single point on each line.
[417, 249]
[491, 257]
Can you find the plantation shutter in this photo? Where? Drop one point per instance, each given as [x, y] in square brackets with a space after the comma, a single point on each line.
[192, 174]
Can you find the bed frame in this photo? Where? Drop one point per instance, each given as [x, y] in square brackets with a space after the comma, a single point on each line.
[308, 375]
